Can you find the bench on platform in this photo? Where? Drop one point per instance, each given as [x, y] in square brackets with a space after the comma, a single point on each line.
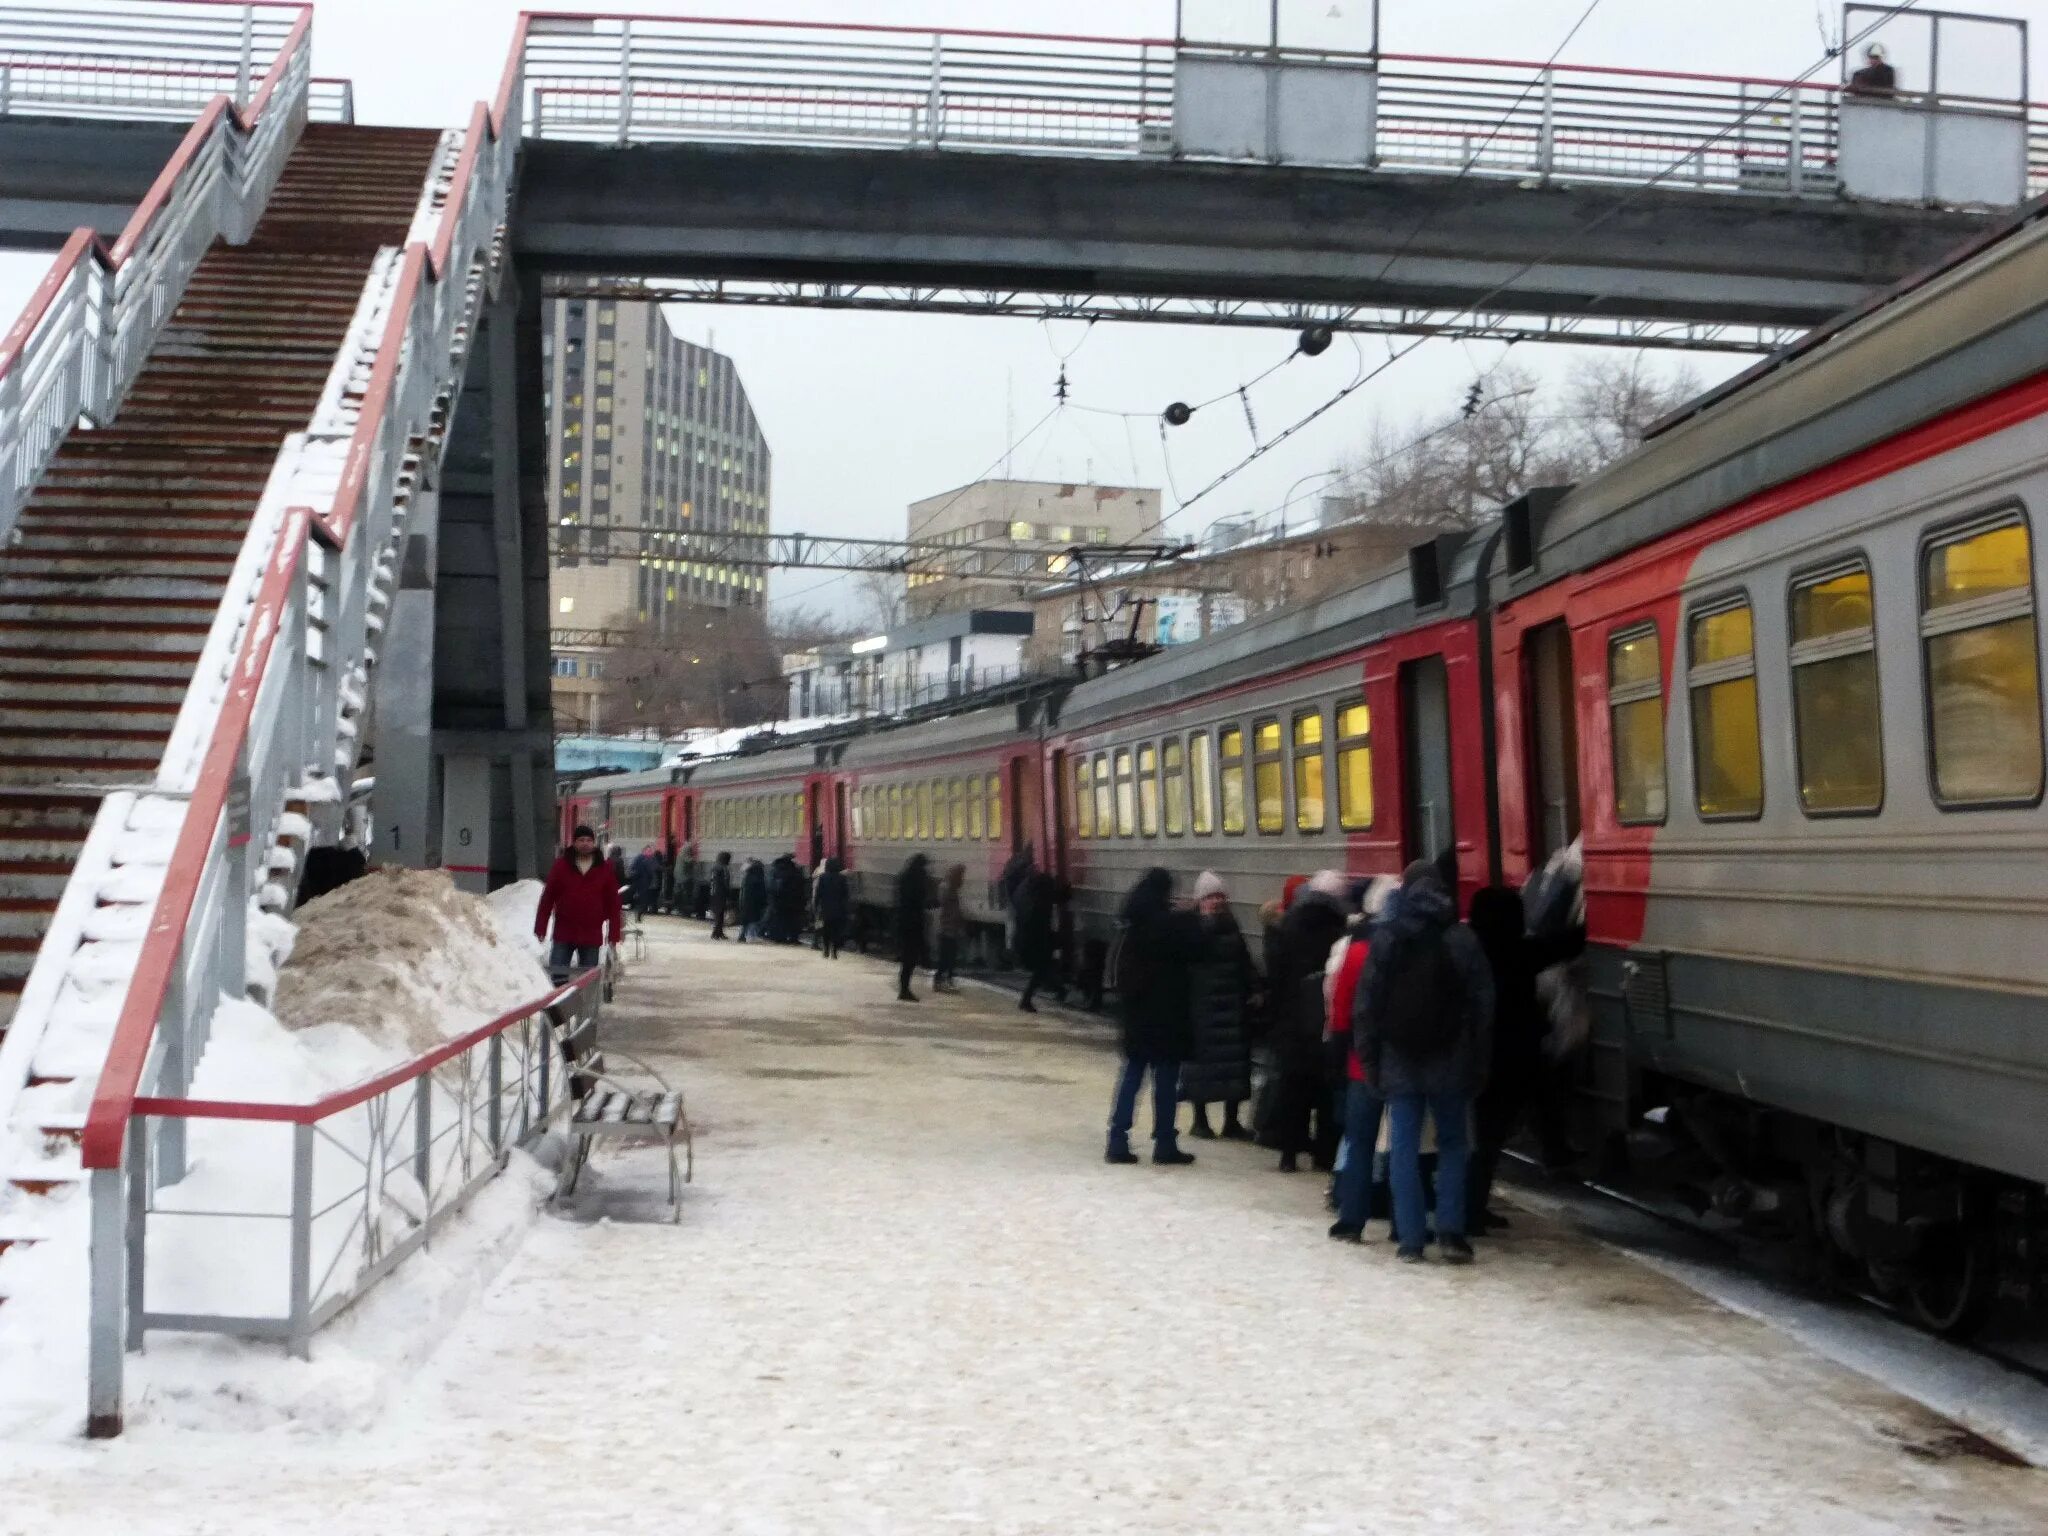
[607, 1107]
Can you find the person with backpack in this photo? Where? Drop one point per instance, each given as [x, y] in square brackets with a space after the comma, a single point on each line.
[1423, 1021]
[1035, 909]
[1149, 970]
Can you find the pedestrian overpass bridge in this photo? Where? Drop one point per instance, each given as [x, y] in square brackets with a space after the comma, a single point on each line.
[272, 470]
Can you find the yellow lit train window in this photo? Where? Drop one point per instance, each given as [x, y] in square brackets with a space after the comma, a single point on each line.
[1148, 790]
[1268, 786]
[1084, 799]
[1983, 666]
[1727, 743]
[977, 804]
[920, 817]
[1231, 750]
[957, 797]
[1105, 798]
[1308, 771]
[995, 806]
[1635, 702]
[1174, 784]
[1835, 704]
[1354, 766]
[1201, 784]
[796, 816]
[859, 813]
[1126, 798]
[896, 813]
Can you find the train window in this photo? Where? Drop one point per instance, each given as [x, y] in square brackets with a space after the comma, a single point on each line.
[796, 819]
[896, 813]
[921, 816]
[995, 806]
[1201, 784]
[857, 810]
[1126, 797]
[1148, 790]
[1727, 743]
[1308, 771]
[1105, 801]
[1835, 704]
[1981, 659]
[958, 797]
[1268, 786]
[1635, 701]
[977, 801]
[1084, 798]
[1232, 753]
[1354, 766]
[1174, 783]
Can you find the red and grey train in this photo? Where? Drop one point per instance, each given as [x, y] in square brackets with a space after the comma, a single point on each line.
[1778, 670]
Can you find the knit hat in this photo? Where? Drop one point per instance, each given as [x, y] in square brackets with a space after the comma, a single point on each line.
[1291, 889]
[1209, 883]
[1330, 883]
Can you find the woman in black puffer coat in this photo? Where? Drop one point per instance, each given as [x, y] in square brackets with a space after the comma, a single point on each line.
[1220, 986]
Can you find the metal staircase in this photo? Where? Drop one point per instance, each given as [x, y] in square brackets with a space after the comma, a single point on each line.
[123, 552]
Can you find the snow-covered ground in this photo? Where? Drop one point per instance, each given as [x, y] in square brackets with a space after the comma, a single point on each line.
[907, 1295]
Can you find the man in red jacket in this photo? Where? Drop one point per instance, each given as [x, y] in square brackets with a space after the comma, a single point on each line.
[582, 895]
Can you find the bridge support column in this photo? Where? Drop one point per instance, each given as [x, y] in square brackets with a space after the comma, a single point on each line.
[405, 820]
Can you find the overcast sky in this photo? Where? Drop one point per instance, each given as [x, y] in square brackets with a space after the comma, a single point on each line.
[866, 413]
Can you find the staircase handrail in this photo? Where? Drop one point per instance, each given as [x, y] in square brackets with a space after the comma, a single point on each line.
[91, 321]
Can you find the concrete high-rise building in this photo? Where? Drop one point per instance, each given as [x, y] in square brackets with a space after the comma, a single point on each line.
[1033, 523]
[652, 436]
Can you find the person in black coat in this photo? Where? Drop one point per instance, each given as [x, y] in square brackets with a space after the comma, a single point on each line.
[834, 900]
[785, 899]
[721, 893]
[1035, 907]
[1515, 1059]
[753, 900]
[1156, 943]
[1221, 981]
[1302, 1118]
[913, 900]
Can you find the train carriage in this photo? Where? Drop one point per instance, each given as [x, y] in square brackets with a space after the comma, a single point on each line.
[761, 806]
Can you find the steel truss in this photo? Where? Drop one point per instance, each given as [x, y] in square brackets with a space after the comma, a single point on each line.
[1008, 562]
[1454, 325]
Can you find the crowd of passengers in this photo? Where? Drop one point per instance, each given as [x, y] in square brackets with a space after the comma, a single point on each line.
[1375, 1035]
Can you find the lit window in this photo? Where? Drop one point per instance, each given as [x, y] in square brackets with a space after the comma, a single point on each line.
[995, 806]
[1835, 705]
[1354, 766]
[1201, 783]
[1231, 750]
[1308, 771]
[1126, 799]
[567, 605]
[1635, 702]
[1020, 530]
[1727, 743]
[896, 812]
[1174, 782]
[977, 807]
[1084, 800]
[1148, 791]
[923, 827]
[1268, 786]
[1983, 673]
[956, 796]
[1105, 799]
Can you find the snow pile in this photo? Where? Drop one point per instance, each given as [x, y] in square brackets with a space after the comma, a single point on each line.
[405, 958]
[514, 907]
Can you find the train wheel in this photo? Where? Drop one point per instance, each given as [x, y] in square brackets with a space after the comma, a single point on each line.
[1953, 1284]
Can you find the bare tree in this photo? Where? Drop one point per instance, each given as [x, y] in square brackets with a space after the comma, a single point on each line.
[1610, 403]
[885, 599]
[710, 667]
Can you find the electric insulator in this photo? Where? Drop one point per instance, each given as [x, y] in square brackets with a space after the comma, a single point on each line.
[1179, 414]
[1315, 340]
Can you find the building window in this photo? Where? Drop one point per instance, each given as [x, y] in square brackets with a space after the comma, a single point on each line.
[566, 605]
[1084, 799]
[1354, 766]
[1021, 530]
[1105, 799]
[1231, 750]
[1635, 703]
[1148, 791]
[1981, 659]
[1308, 771]
[1126, 796]
[1835, 705]
[1174, 782]
[1727, 743]
[1268, 784]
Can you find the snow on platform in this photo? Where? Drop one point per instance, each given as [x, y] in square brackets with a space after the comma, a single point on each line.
[908, 1296]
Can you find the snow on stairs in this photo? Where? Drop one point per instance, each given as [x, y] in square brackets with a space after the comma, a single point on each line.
[120, 559]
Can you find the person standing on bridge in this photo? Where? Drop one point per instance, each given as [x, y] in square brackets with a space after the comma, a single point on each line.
[1876, 77]
[913, 900]
[582, 898]
[1155, 943]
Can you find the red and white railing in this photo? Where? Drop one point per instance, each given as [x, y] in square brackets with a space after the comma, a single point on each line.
[138, 58]
[302, 631]
[631, 78]
[319, 1201]
[95, 316]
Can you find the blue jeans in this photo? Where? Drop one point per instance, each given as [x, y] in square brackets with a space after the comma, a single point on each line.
[1451, 1112]
[1165, 1099]
[566, 960]
[1361, 1130]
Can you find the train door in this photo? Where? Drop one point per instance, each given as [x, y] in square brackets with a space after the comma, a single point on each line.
[841, 838]
[1553, 741]
[1426, 824]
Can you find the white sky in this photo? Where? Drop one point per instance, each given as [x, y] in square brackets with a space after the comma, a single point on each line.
[866, 413]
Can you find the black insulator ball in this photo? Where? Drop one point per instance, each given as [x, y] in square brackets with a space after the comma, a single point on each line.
[1179, 414]
[1315, 340]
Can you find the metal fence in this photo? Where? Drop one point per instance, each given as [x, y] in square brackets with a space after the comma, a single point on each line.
[318, 1202]
[131, 59]
[644, 78]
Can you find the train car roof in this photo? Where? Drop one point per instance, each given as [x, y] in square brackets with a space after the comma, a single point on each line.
[1947, 337]
[1297, 635]
[784, 762]
[612, 783]
[943, 734]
